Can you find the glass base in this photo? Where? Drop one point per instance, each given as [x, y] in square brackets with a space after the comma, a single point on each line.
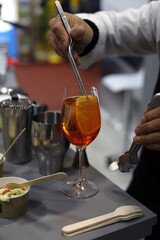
[81, 190]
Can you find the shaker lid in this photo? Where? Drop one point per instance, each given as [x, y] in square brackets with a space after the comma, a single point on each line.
[16, 103]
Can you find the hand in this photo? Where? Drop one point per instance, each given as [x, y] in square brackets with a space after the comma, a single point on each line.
[148, 132]
[81, 34]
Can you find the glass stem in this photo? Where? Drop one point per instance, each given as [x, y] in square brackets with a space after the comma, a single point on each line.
[80, 180]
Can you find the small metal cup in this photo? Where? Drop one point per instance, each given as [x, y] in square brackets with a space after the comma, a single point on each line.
[49, 142]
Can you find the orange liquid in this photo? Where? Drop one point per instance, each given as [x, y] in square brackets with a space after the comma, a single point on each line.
[70, 126]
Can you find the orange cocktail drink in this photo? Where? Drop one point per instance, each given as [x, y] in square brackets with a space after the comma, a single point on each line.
[81, 119]
[81, 123]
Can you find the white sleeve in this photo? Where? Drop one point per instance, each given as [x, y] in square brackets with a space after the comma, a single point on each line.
[130, 32]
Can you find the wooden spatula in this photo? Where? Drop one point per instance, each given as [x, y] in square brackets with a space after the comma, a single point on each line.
[123, 213]
[15, 140]
[55, 176]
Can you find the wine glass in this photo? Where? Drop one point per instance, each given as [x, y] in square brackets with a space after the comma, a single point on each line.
[81, 123]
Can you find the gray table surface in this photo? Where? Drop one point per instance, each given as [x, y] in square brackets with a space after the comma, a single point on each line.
[49, 209]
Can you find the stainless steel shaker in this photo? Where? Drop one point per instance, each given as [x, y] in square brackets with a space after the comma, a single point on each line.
[49, 142]
[16, 114]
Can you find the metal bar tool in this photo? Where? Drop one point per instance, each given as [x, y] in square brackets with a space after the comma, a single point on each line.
[129, 159]
[69, 51]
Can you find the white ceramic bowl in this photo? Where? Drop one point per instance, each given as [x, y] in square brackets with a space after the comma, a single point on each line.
[17, 205]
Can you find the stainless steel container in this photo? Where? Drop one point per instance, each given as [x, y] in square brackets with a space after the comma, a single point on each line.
[16, 114]
[49, 142]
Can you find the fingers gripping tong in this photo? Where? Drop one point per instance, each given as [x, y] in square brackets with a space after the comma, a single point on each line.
[130, 159]
[69, 51]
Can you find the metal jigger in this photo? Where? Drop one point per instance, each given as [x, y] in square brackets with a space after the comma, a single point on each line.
[85, 162]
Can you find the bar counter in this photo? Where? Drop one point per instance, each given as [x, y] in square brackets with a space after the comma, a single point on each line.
[50, 209]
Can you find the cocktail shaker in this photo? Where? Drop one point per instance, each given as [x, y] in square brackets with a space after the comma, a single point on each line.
[49, 142]
[16, 114]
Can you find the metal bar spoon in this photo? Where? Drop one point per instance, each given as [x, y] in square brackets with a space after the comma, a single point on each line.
[69, 52]
[15, 140]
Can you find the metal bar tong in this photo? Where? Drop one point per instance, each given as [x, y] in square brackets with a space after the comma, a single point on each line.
[69, 51]
[130, 159]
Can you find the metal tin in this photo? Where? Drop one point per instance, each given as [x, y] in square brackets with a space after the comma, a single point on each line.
[16, 114]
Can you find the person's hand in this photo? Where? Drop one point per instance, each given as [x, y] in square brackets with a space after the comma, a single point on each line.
[81, 34]
[148, 132]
